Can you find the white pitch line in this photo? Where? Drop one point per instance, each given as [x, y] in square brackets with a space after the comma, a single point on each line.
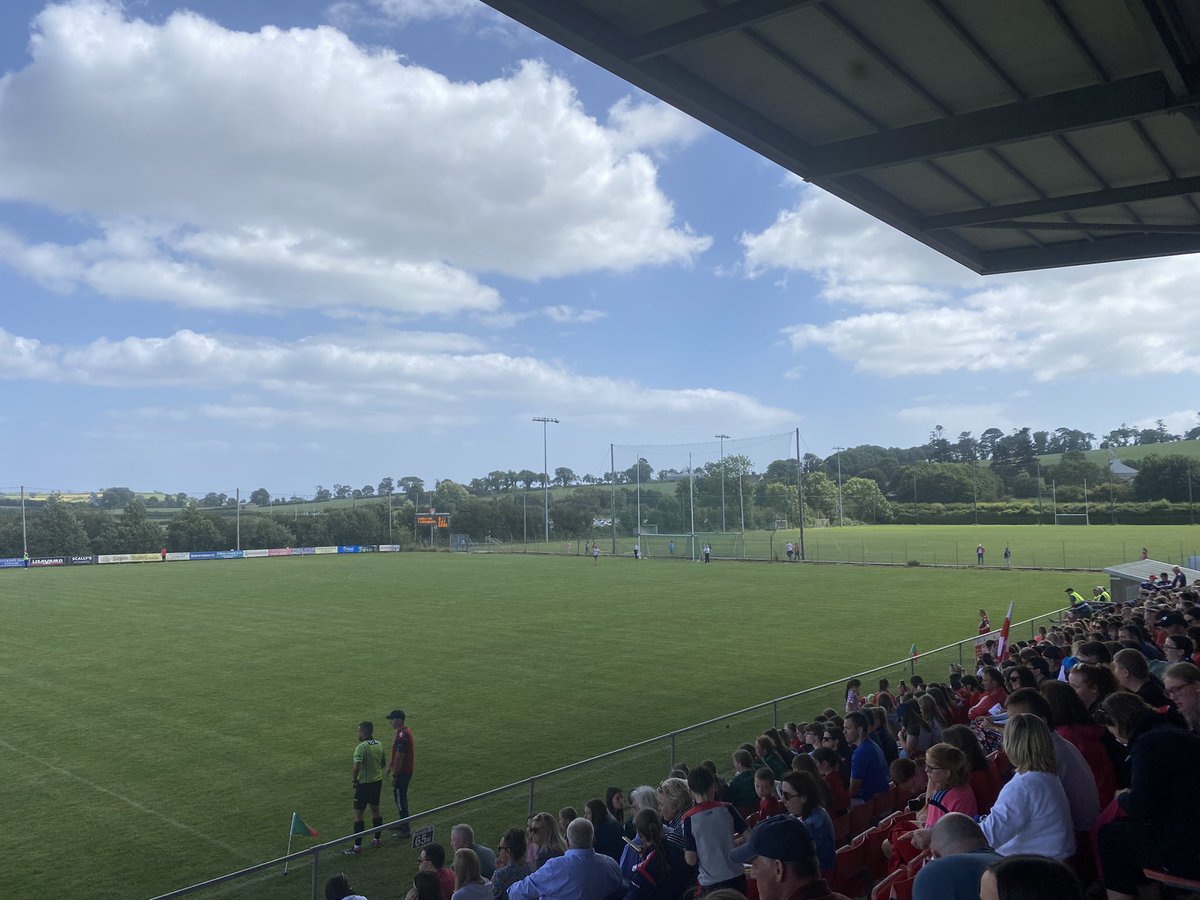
[174, 823]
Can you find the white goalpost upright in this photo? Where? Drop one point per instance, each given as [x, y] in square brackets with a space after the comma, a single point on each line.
[716, 507]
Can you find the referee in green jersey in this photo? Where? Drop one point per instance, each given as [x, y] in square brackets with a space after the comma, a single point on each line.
[368, 781]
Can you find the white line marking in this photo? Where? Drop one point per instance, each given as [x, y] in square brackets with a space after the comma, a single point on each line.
[175, 823]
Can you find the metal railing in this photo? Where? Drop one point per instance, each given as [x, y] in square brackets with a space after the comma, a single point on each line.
[655, 755]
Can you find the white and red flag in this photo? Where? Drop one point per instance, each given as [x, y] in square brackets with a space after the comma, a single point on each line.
[1002, 644]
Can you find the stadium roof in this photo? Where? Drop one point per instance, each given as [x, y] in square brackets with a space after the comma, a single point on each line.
[1009, 136]
[1143, 569]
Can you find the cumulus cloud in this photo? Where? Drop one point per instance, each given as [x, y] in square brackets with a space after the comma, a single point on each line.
[651, 125]
[567, 315]
[922, 314]
[297, 169]
[450, 377]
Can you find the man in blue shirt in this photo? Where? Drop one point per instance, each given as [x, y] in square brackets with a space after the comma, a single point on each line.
[868, 768]
[961, 853]
[581, 874]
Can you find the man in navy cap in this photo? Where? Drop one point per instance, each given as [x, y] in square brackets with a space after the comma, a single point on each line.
[783, 860]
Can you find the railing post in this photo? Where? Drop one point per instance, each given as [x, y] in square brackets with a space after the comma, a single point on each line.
[315, 857]
[960, 654]
[774, 713]
[672, 750]
[532, 781]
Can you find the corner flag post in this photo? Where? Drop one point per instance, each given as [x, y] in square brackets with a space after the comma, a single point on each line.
[298, 826]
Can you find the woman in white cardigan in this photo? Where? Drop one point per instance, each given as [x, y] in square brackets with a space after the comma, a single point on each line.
[1032, 814]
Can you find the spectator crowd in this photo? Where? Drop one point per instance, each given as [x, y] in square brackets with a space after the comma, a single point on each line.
[1070, 764]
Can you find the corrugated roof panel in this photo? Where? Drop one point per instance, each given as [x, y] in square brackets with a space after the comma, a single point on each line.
[1117, 153]
[1027, 43]
[1056, 173]
[918, 41]
[996, 238]
[639, 17]
[1111, 34]
[1168, 210]
[755, 79]
[1178, 140]
[988, 177]
[918, 186]
[849, 68]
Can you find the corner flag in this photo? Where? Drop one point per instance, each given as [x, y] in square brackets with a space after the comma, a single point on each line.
[299, 827]
[913, 651]
[1002, 644]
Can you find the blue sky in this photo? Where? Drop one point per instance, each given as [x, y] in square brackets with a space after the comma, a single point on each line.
[277, 244]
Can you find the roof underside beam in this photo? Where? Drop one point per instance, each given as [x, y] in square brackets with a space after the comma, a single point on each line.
[1110, 227]
[1172, 187]
[1080, 253]
[1118, 101]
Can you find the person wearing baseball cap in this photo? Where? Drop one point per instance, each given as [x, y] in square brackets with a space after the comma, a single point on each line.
[401, 767]
[783, 861]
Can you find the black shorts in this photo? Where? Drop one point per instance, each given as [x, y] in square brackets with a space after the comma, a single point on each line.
[367, 794]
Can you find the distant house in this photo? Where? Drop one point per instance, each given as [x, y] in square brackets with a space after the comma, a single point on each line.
[1120, 470]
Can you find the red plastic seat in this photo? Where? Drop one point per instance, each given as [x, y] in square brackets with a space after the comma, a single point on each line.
[848, 869]
[841, 829]
[860, 818]
[883, 890]
[1184, 884]
[881, 803]
[874, 861]
[903, 889]
[915, 865]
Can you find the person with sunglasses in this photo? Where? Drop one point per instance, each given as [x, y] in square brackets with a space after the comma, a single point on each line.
[511, 862]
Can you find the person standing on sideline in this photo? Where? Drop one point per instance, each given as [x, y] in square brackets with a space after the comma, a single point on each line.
[707, 553]
[790, 549]
[368, 781]
[401, 766]
[163, 552]
[1145, 553]
[595, 553]
[1007, 558]
[637, 551]
[979, 551]
[671, 548]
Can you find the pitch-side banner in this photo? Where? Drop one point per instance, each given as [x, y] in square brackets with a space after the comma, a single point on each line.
[388, 548]
[81, 560]
[325, 549]
[12, 562]
[41, 561]
[216, 554]
[128, 557]
[178, 557]
[250, 554]
[353, 549]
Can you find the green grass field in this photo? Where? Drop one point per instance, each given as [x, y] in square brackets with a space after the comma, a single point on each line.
[161, 722]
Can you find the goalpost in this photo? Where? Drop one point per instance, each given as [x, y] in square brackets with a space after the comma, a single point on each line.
[688, 496]
[1071, 519]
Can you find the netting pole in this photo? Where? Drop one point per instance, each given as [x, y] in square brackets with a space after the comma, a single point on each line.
[692, 503]
[800, 493]
[612, 477]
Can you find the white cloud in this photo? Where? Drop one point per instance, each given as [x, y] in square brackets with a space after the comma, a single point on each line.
[331, 381]
[571, 315]
[924, 314]
[651, 125]
[296, 169]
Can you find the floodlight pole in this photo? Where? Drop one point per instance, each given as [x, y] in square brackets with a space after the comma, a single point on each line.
[24, 533]
[800, 493]
[237, 492]
[721, 438]
[545, 420]
[839, 468]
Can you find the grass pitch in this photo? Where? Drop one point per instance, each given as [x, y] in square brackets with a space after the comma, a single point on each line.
[161, 722]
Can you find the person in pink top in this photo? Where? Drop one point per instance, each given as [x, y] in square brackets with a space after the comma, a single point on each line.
[949, 784]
